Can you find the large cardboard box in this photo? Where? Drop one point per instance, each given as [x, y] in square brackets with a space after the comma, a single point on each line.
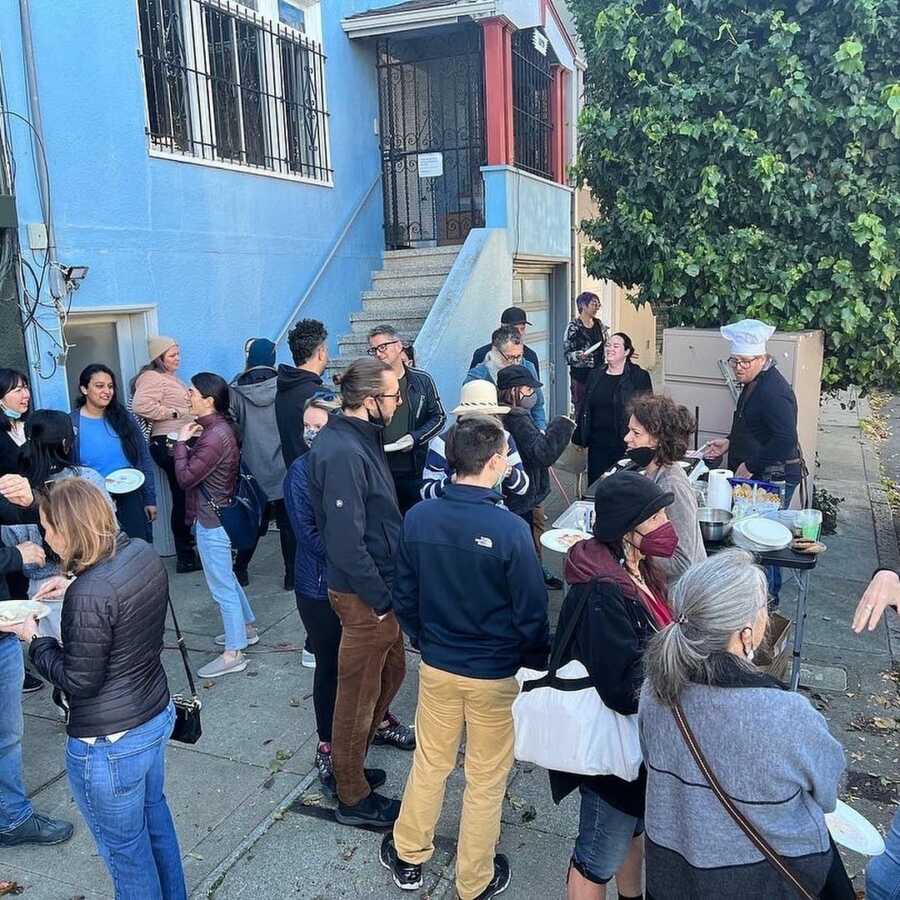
[774, 655]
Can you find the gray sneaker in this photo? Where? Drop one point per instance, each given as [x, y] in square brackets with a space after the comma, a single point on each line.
[252, 638]
[220, 666]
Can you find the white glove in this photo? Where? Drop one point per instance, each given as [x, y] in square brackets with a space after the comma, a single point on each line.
[404, 443]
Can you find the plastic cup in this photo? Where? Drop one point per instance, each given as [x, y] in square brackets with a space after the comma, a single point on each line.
[810, 523]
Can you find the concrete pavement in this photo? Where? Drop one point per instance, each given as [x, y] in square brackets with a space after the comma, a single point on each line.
[253, 824]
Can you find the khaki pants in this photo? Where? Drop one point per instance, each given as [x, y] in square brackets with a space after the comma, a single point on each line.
[446, 703]
[371, 666]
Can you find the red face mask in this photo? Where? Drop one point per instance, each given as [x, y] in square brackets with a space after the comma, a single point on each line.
[660, 542]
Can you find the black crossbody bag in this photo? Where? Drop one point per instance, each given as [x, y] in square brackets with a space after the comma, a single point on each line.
[187, 728]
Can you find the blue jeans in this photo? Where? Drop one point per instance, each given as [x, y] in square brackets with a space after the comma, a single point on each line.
[604, 837]
[15, 807]
[883, 873]
[773, 573]
[119, 788]
[214, 547]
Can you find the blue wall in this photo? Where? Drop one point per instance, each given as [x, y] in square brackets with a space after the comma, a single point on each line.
[224, 254]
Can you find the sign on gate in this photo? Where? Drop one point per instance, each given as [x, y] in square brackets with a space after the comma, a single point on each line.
[431, 165]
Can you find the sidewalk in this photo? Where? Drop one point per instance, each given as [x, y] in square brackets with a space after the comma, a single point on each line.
[253, 825]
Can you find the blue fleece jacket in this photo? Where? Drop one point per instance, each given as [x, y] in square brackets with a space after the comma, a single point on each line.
[469, 590]
[485, 372]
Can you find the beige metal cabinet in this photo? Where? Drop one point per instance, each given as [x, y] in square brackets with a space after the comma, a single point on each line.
[692, 377]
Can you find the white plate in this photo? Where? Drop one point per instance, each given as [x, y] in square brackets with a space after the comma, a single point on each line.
[563, 539]
[15, 612]
[124, 481]
[744, 543]
[853, 831]
[764, 532]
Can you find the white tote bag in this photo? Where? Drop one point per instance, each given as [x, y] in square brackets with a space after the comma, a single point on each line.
[561, 723]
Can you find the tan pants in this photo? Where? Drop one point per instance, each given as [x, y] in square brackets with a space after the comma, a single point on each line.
[446, 703]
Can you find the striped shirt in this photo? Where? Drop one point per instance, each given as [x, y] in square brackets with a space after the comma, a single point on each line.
[438, 471]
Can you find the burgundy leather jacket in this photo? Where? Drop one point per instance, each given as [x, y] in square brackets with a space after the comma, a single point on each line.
[214, 462]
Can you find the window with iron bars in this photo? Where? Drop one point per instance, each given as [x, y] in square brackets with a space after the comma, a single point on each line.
[532, 125]
[228, 85]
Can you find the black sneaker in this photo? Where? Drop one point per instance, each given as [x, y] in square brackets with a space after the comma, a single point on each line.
[187, 564]
[243, 577]
[552, 582]
[37, 830]
[500, 882]
[396, 734]
[407, 876]
[375, 811]
[31, 684]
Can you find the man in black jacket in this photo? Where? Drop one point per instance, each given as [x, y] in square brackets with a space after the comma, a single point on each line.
[297, 383]
[515, 317]
[19, 823]
[470, 594]
[355, 505]
[417, 420]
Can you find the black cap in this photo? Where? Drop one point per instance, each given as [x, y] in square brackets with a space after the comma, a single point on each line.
[515, 376]
[514, 315]
[623, 501]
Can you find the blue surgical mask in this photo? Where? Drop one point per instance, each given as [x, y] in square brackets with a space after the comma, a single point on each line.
[10, 413]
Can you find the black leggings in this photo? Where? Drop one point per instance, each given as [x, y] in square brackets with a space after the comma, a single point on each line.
[184, 542]
[323, 629]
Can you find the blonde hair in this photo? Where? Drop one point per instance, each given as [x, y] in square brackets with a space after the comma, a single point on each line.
[82, 516]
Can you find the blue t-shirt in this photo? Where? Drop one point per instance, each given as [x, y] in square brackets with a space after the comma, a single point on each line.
[100, 447]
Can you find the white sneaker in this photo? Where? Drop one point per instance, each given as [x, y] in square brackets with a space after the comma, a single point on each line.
[220, 666]
[309, 660]
[252, 638]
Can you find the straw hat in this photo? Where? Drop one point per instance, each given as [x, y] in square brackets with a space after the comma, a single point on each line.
[479, 397]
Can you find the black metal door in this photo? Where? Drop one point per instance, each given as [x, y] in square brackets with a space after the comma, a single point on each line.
[431, 99]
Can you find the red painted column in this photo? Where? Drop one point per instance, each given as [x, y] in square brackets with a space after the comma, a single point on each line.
[498, 91]
[558, 118]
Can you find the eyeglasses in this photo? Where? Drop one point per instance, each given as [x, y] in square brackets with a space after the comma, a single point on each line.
[376, 351]
[512, 358]
[738, 362]
[388, 396]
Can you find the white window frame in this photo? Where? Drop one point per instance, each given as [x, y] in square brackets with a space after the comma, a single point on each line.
[275, 123]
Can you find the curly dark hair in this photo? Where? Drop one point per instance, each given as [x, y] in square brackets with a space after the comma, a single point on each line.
[669, 424]
[305, 338]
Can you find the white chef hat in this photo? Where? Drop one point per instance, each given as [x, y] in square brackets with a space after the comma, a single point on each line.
[748, 337]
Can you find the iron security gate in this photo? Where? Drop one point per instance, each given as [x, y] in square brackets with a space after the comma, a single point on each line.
[431, 100]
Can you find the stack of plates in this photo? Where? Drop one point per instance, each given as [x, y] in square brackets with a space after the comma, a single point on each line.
[760, 535]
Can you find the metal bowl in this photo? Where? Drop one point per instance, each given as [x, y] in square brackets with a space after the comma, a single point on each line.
[715, 524]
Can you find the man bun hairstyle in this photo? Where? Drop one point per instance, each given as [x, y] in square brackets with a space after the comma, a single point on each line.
[363, 378]
[471, 442]
[305, 338]
[668, 423]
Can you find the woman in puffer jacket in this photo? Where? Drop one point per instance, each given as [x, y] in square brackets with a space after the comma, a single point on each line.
[109, 666]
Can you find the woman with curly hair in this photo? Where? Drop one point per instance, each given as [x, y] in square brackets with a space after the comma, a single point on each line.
[658, 434]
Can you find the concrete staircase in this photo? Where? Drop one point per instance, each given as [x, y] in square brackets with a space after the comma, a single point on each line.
[402, 294]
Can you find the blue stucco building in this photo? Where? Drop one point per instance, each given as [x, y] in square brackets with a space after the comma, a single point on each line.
[222, 168]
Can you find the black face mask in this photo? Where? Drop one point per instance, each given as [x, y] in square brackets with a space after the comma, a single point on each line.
[642, 456]
[379, 419]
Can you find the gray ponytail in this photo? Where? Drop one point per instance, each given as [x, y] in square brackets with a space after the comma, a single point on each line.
[710, 602]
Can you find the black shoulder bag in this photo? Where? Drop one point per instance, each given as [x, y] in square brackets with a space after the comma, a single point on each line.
[242, 517]
[187, 728]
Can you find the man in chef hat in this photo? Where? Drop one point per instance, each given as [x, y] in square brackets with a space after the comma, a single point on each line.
[763, 442]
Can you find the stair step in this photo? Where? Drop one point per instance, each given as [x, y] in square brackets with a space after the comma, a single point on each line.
[407, 292]
[411, 323]
[403, 281]
[386, 308]
[421, 268]
[373, 315]
[422, 252]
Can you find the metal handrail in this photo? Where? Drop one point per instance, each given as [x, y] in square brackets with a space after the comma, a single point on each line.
[331, 253]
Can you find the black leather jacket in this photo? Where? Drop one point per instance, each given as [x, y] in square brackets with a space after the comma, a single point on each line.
[428, 417]
[109, 664]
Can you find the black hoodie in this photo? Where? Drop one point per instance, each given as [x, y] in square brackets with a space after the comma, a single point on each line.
[295, 387]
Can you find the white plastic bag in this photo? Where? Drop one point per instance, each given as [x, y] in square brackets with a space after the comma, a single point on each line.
[563, 724]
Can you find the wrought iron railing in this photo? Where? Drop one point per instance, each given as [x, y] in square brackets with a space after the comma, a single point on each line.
[532, 79]
[227, 85]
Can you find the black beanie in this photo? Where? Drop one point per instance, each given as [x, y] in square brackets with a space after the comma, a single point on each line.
[623, 501]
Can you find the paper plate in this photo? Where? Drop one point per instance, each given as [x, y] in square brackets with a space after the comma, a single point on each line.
[853, 831]
[15, 612]
[124, 481]
[765, 532]
[563, 539]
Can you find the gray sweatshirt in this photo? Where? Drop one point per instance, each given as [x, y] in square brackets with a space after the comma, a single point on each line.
[683, 515]
[773, 754]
